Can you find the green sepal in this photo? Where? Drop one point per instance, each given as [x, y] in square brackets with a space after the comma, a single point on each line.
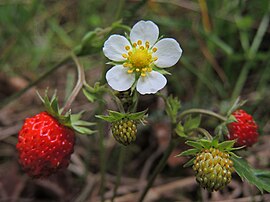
[114, 116]
[192, 123]
[188, 152]
[194, 144]
[138, 115]
[244, 170]
[162, 71]
[226, 145]
[70, 120]
[189, 163]
[173, 106]
[236, 105]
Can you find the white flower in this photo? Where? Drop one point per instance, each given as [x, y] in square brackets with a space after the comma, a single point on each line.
[139, 57]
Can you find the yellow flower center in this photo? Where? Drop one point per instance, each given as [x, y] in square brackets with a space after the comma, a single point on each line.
[139, 58]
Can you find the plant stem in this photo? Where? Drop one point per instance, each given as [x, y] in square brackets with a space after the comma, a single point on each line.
[102, 156]
[159, 168]
[119, 170]
[78, 87]
[201, 111]
[33, 83]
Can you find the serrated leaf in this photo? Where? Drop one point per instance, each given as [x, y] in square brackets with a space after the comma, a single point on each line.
[173, 105]
[194, 144]
[188, 152]
[189, 163]
[244, 170]
[180, 130]
[192, 123]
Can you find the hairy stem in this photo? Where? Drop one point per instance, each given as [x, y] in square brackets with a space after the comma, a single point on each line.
[201, 111]
[119, 170]
[78, 87]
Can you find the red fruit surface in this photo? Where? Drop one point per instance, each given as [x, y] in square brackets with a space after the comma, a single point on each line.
[44, 145]
[244, 130]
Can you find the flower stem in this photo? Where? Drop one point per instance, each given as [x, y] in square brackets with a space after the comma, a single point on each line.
[78, 87]
[119, 170]
[201, 111]
[159, 168]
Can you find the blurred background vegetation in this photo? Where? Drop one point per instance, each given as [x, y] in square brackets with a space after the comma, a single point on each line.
[226, 55]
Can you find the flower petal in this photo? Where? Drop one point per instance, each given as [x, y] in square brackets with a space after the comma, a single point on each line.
[114, 47]
[168, 52]
[151, 83]
[118, 78]
[144, 31]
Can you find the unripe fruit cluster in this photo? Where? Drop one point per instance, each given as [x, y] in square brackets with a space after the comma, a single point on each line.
[124, 131]
[213, 169]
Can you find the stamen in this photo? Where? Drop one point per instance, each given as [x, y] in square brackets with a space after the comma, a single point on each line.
[127, 48]
[134, 44]
[143, 74]
[144, 69]
[139, 42]
[147, 44]
[154, 49]
[129, 53]
[141, 47]
[130, 71]
[125, 64]
[149, 69]
[137, 69]
[155, 58]
[124, 55]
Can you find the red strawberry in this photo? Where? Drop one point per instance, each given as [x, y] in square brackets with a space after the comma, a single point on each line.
[44, 145]
[244, 130]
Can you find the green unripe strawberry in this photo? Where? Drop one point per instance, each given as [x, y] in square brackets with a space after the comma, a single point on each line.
[124, 131]
[213, 169]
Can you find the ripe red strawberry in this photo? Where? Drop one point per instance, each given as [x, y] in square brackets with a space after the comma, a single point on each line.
[244, 130]
[44, 145]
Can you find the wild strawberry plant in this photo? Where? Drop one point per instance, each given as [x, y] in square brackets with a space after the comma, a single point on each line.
[137, 67]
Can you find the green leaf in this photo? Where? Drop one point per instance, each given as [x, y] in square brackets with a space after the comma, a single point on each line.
[244, 170]
[189, 152]
[192, 123]
[237, 104]
[189, 163]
